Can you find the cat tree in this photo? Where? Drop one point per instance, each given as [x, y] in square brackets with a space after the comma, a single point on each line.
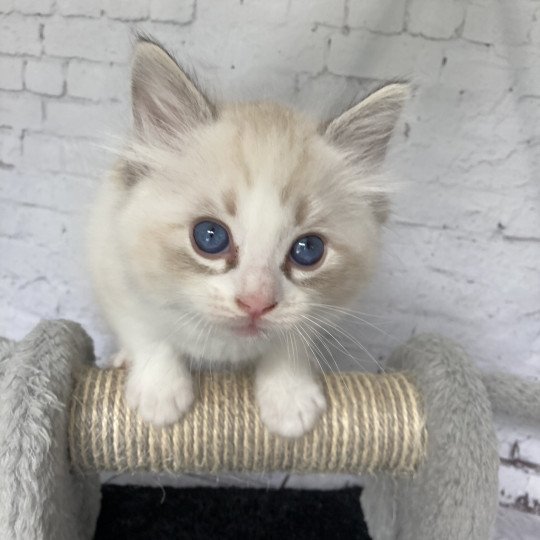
[424, 430]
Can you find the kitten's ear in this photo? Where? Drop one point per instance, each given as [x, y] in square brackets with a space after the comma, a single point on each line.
[365, 129]
[164, 99]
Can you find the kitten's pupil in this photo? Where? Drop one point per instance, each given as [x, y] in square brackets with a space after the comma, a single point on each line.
[307, 251]
[210, 237]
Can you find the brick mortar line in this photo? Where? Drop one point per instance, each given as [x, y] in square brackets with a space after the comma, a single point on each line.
[102, 16]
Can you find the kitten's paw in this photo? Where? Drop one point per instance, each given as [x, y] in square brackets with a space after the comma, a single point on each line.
[160, 401]
[290, 411]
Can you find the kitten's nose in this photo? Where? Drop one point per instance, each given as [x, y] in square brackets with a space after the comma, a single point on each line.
[255, 305]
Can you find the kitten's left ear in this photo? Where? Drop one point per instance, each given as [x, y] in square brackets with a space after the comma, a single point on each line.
[365, 129]
[164, 99]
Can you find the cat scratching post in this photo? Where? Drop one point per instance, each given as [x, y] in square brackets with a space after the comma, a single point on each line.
[62, 421]
[372, 423]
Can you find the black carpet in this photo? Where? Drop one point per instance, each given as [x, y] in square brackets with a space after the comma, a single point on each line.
[229, 513]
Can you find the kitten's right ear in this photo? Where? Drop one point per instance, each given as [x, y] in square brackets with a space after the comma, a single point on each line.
[164, 99]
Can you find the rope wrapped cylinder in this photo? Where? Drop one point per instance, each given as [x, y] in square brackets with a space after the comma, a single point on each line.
[373, 422]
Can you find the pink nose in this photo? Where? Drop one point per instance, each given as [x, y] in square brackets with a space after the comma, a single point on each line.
[255, 305]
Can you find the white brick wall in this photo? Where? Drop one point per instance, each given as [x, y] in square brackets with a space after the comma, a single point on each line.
[97, 81]
[10, 146]
[510, 24]
[42, 152]
[20, 35]
[93, 39]
[88, 8]
[20, 110]
[172, 10]
[11, 69]
[462, 253]
[440, 19]
[34, 7]
[44, 76]
[385, 16]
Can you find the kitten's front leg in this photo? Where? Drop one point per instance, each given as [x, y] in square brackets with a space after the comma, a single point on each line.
[290, 398]
[159, 386]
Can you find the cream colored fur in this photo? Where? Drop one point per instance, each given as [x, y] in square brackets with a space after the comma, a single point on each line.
[271, 175]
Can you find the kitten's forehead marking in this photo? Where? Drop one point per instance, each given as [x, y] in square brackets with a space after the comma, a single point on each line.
[229, 202]
[301, 212]
[285, 193]
[271, 134]
[208, 208]
[292, 183]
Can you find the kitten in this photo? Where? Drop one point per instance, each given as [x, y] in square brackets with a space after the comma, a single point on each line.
[223, 228]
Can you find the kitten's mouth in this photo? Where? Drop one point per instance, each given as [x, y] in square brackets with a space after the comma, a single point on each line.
[250, 329]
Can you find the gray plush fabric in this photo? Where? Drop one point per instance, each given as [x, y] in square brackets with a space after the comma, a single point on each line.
[6, 350]
[39, 497]
[453, 495]
[512, 395]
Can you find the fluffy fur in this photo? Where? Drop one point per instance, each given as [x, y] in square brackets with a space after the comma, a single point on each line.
[271, 176]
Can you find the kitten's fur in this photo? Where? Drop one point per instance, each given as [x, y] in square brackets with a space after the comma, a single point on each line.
[271, 176]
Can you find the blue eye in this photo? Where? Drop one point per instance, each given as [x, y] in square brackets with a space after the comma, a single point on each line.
[307, 251]
[210, 237]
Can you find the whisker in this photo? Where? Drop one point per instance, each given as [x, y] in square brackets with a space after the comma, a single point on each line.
[164, 339]
[314, 356]
[293, 351]
[339, 345]
[338, 371]
[355, 317]
[306, 352]
[207, 339]
[317, 348]
[286, 336]
[351, 338]
[347, 310]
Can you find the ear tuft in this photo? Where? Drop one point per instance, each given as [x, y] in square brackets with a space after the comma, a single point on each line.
[164, 99]
[364, 130]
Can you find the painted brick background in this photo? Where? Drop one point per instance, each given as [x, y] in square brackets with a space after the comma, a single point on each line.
[462, 250]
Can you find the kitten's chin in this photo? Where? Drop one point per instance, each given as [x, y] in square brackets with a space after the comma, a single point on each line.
[244, 328]
[249, 330]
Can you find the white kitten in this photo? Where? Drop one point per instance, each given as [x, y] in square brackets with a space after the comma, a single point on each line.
[222, 230]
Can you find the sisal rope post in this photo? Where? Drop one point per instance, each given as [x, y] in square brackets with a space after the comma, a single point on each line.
[372, 423]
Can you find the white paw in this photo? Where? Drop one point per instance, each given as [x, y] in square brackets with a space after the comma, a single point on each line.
[160, 400]
[290, 410]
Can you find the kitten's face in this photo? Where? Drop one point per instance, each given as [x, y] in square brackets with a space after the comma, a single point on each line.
[248, 219]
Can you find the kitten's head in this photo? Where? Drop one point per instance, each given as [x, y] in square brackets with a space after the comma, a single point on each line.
[249, 215]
